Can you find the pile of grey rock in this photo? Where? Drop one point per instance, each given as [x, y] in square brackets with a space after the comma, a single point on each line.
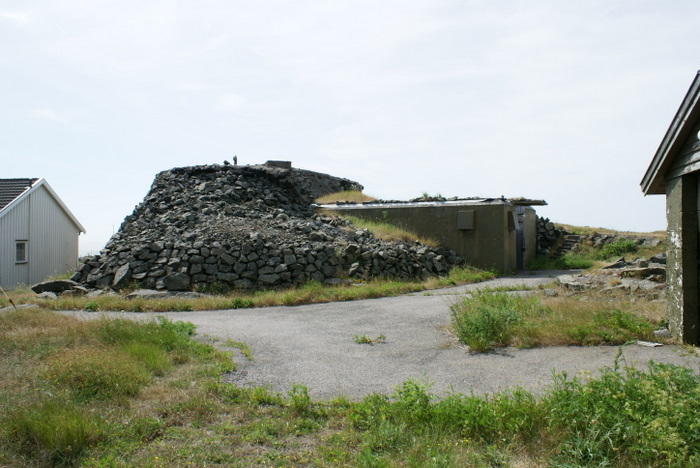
[547, 235]
[600, 240]
[639, 275]
[247, 227]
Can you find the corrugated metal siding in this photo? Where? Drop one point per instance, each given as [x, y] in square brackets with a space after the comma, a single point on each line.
[52, 240]
[14, 226]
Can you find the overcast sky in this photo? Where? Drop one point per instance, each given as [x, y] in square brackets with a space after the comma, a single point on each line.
[564, 101]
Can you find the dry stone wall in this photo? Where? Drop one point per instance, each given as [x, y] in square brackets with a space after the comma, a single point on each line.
[547, 235]
[248, 227]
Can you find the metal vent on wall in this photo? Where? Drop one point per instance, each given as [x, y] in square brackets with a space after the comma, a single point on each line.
[466, 220]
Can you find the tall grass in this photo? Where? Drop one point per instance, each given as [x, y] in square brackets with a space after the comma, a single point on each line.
[309, 293]
[92, 372]
[53, 432]
[389, 232]
[488, 319]
[352, 196]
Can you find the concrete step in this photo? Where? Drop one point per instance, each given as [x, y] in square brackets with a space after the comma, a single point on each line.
[570, 242]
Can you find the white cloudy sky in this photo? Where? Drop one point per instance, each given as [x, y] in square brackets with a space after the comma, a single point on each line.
[565, 101]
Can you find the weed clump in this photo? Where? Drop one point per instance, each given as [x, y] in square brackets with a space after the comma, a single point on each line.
[616, 248]
[489, 319]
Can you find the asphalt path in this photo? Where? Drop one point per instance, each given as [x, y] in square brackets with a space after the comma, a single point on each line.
[314, 345]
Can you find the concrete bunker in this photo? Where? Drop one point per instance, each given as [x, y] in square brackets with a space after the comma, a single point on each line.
[219, 227]
[675, 172]
[487, 232]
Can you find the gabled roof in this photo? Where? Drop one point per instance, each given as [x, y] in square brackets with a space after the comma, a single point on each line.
[688, 115]
[13, 191]
[13, 188]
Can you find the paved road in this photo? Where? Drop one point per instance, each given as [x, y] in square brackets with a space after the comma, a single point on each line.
[314, 345]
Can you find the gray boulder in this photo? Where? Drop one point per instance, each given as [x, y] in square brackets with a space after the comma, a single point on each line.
[56, 286]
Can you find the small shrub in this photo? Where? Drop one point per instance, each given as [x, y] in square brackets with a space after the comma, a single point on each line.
[364, 339]
[299, 399]
[616, 249]
[92, 306]
[263, 396]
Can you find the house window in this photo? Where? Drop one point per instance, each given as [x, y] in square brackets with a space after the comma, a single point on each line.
[21, 252]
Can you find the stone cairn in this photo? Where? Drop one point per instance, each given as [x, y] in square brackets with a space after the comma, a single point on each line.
[247, 227]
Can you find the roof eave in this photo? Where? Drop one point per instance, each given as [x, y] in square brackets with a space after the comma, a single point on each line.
[42, 182]
[688, 113]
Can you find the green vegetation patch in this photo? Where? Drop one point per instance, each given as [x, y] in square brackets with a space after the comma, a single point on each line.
[623, 418]
[52, 432]
[185, 415]
[93, 372]
[68, 382]
[389, 232]
[310, 293]
[488, 319]
[352, 196]
[568, 261]
[617, 248]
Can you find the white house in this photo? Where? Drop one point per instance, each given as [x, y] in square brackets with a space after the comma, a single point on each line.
[38, 233]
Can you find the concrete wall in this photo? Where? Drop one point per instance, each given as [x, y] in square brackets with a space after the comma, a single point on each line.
[682, 270]
[52, 240]
[487, 240]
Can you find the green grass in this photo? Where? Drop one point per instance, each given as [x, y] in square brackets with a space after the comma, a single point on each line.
[489, 319]
[568, 261]
[623, 418]
[364, 339]
[588, 256]
[242, 347]
[67, 380]
[389, 232]
[617, 248]
[309, 293]
[53, 432]
[184, 415]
